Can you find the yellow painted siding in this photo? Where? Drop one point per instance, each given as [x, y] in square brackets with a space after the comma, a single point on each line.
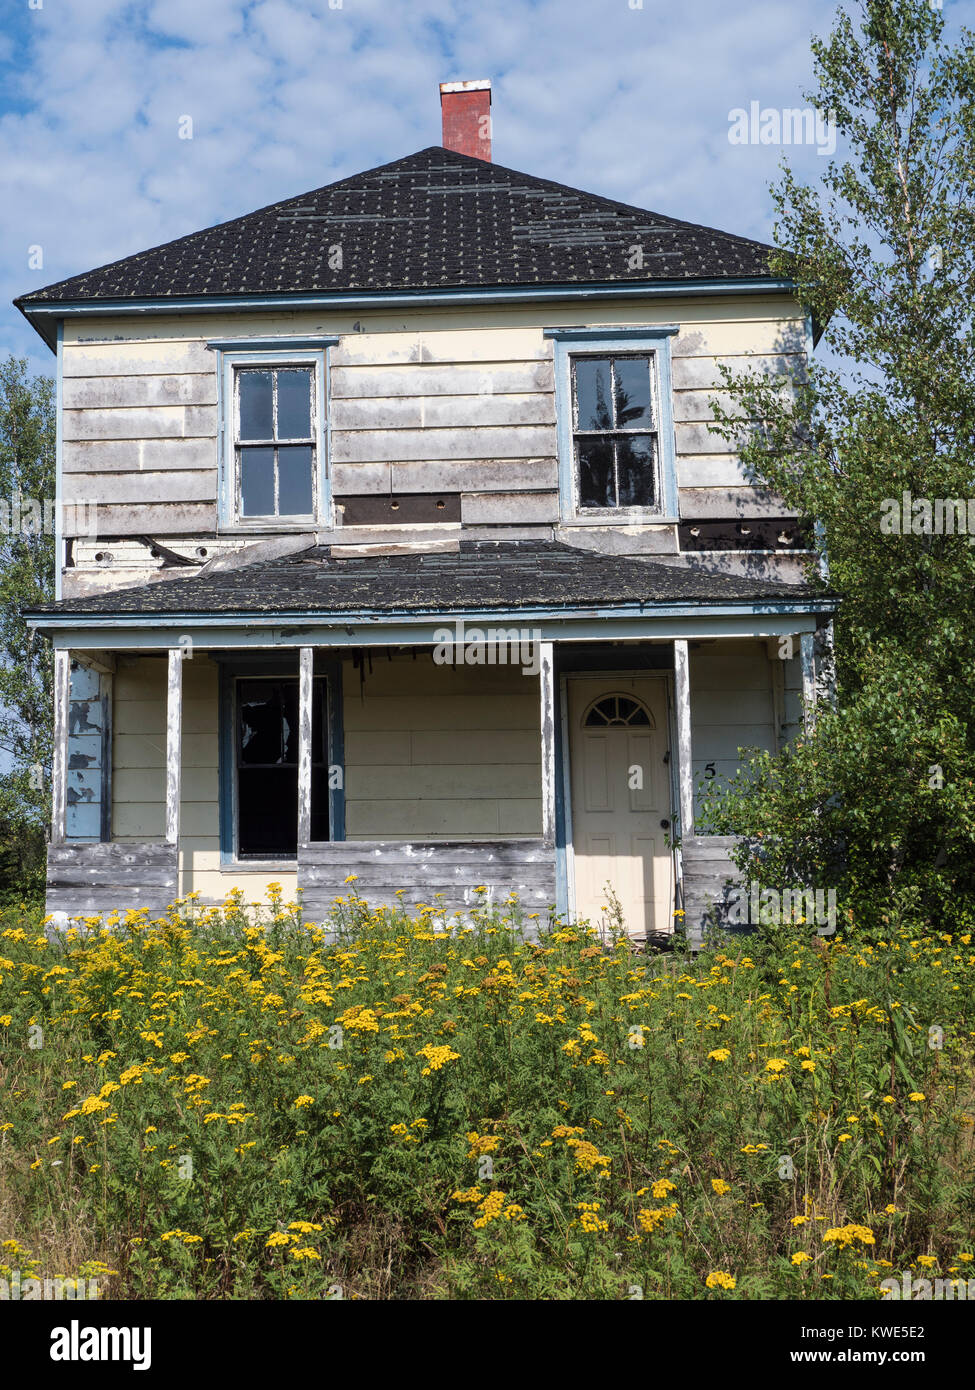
[431, 752]
[441, 753]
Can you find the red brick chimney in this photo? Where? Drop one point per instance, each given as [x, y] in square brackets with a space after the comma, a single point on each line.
[466, 111]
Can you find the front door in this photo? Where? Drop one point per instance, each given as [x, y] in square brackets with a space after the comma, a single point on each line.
[621, 800]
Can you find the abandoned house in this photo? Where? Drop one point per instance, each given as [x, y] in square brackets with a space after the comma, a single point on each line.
[396, 539]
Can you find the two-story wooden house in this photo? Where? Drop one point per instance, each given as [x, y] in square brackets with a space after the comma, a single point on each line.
[397, 541]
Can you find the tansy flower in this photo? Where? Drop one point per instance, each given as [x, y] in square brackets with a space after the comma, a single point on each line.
[720, 1186]
[719, 1279]
[800, 1257]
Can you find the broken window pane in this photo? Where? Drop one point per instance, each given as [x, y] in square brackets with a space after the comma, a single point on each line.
[597, 485]
[257, 482]
[294, 480]
[633, 403]
[260, 722]
[294, 404]
[256, 391]
[636, 470]
[267, 767]
[593, 377]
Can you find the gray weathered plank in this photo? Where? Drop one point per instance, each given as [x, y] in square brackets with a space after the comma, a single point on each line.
[178, 519]
[94, 392]
[96, 879]
[197, 485]
[509, 506]
[162, 421]
[458, 379]
[130, 455]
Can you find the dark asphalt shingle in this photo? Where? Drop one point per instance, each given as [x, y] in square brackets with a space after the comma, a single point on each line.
[433, 220]
[482, 576]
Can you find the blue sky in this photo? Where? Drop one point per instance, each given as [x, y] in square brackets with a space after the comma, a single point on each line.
[623, 98]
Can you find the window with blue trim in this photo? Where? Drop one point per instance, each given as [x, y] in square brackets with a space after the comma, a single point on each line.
[614, 432]
[274, 427]
[615, 424]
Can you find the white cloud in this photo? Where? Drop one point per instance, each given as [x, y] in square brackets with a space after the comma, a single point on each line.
[286, 95]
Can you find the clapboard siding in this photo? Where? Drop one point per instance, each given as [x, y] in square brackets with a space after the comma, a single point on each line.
[95, 457]
[146, 489]
[444, 875]
[139, 390]
[438, 475]
[708, 876]
[444, 400]
[456, 379]
[732, 706]
[87, 880]
[488, 442]
[198, 520]
[441, 412]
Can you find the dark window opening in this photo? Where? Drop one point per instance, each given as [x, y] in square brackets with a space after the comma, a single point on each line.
[266, 765]
[615, 432]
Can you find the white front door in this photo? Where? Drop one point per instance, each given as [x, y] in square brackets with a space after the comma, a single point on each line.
[621, 800]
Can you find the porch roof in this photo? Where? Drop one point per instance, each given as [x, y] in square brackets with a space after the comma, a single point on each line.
[480, 576]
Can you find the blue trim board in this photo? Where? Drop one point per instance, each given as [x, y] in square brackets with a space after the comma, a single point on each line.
[37, 313]
[654, 339]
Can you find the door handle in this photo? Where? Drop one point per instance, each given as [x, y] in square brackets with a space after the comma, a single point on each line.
[665, 825]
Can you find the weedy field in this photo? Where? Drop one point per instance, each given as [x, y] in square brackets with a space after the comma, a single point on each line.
[404, 1106]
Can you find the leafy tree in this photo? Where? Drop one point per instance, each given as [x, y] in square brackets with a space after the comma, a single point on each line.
[880, 800]
[27, 471]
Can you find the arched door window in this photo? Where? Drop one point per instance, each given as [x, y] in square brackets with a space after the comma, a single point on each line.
[617, 712]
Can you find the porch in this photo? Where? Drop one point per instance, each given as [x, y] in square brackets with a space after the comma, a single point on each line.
[414, 750]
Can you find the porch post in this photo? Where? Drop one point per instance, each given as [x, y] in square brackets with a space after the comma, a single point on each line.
[807, 660]
[59, 761]
[174, 743]
[682, 697]
[306, 672]
[546, 679]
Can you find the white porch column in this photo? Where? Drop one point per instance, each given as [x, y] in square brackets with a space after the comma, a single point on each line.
[682, 698]
[174, 743]
[306, 682]
[59, 760]
[546, 680]
[807, 660]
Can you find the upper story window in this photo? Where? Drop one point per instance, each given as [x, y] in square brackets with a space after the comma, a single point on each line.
[275, 441]
[614, 432]
[274, 473]
[615, 425]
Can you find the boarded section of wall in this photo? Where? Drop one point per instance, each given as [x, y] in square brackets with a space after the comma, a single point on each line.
[709, 876]
[414, 873]
[87, 880]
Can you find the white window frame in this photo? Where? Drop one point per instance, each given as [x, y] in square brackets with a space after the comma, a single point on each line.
[652, 341]
[272, 353]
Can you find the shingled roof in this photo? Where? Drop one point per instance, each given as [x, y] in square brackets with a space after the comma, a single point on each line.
[434, 220]
[480, 576]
